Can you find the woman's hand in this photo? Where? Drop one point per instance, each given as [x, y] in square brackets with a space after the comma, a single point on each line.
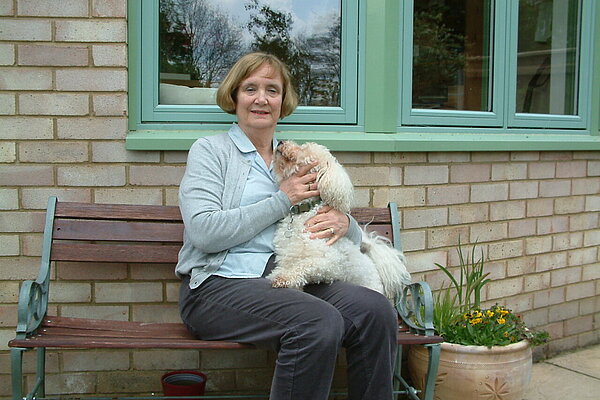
[301, 185]
[328, 223]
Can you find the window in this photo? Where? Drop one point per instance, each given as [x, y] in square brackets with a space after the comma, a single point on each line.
[197, 41]
[377, 75]
[505, 64]
[452, 50]
[549, 63]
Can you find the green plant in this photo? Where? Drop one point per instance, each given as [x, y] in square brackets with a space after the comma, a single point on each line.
[464, 294]
[445, 311]
[458, 316]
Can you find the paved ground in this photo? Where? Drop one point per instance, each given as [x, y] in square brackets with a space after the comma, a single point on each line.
[573, 375]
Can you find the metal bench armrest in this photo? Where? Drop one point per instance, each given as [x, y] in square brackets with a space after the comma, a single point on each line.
[33, 303]
[33, 297]
[415, 306]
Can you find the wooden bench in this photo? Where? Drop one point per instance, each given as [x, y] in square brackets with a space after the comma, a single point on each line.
[152, 235]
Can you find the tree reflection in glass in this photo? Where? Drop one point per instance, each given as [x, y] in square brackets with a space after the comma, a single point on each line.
[199, 40]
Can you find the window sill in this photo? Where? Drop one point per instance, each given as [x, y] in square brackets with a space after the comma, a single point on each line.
[386, 142]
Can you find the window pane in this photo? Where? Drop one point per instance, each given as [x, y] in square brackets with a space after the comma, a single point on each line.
[548, 57]
[451, 55]
[199, 40]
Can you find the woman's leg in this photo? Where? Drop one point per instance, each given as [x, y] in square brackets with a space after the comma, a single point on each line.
[305, 331]
[370, 337]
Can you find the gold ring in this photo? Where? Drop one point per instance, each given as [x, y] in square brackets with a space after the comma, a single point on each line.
[308, 187]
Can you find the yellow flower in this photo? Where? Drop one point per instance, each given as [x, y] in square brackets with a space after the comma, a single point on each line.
[505, 334]
[503, 312]
[490, 313]
[501, 320]
[475, 321]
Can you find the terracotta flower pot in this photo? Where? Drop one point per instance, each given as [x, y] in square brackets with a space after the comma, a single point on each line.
[476, 372]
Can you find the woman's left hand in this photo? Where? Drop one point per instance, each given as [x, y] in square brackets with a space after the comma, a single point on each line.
[328, 224]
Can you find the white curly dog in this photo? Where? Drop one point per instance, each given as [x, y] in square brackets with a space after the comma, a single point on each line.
[301, 260]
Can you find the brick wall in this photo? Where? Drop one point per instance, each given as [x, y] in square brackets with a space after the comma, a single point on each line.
[534, 215]
[63, 121]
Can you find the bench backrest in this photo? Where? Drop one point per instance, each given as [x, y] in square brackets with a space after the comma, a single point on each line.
[146, 234]
[141, 234]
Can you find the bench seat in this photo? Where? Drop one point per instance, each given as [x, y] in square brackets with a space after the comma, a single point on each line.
[65, 332]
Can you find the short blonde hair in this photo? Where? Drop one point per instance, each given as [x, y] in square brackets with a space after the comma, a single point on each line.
[243, 68]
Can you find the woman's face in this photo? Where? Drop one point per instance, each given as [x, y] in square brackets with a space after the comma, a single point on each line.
[259, 98]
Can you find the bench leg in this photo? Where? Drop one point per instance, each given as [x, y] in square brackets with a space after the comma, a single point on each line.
[39, 386]
[432, 369]
[39, 389]
[397, 371]
[16, 359]
[400, 382]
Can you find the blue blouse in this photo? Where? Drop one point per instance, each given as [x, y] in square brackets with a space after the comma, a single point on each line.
[248, 260]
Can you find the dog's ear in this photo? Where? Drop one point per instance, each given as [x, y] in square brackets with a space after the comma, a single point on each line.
[288, 150]
[335, 186]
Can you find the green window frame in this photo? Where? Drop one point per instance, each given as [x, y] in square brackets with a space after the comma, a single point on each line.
[379, 76]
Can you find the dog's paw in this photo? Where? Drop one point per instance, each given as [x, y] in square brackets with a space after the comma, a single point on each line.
[287, 282]
[280, 282]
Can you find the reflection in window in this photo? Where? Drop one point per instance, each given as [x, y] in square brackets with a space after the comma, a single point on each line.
[548, 56]
[199, 40]
[451, 55]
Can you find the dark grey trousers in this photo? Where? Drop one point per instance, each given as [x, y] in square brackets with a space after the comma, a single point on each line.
[306, 329]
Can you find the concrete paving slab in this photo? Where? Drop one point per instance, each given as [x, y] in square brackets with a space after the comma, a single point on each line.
[551, 382]
[585, 361]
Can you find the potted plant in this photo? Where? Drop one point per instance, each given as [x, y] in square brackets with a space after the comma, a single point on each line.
[487, 351]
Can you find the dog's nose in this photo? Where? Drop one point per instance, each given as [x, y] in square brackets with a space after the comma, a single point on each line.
[279, 145]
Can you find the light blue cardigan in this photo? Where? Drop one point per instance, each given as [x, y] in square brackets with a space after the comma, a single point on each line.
[209, 199]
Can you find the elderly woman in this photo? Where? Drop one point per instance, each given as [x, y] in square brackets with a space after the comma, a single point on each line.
[231, 202]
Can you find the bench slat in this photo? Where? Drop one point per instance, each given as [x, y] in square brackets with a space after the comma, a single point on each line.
[383, 230]
[77, 326]
[371, 215]
[51, 331]
[117, 211]
[78, 229]
[172, 213]
[123, 343]
[51, 321]
[93, 333]
[118, 253]
[70, 229]
[92, 342]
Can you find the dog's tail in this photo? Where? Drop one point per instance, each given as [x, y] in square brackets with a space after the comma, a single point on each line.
[389, 262]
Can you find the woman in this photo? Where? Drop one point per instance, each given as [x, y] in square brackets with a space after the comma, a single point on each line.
[231, 202]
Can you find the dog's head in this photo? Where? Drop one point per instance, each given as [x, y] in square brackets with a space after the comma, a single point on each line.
[289, 157]
[333, 182]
